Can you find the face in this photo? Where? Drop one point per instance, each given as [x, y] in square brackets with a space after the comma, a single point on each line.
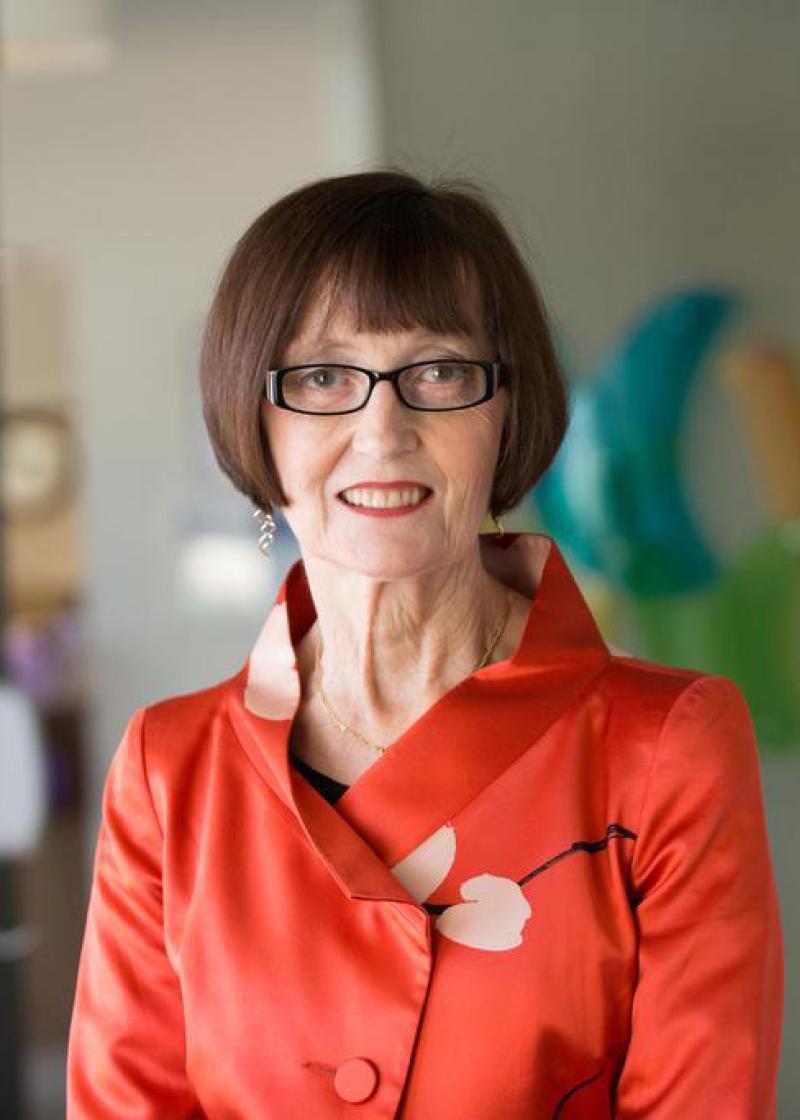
[453, 453]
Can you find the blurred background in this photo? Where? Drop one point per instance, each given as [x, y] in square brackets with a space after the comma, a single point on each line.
[647, 158]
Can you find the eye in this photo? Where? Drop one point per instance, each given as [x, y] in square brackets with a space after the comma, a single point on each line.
[447, 371]
[323, 377]
[342, 387]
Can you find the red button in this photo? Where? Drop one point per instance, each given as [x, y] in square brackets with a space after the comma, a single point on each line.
[355, 1080]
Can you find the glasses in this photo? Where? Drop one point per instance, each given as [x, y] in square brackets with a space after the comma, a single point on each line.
[433, 386]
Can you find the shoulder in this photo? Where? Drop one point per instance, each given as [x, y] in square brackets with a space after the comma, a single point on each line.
[701, 824]
[176, 730]
[702, 729]
[683, 747]
[668, 687]
[684, 714]
[168, 747]
[636, 684]
[185, 711]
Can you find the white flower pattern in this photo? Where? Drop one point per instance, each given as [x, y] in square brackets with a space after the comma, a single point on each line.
[494, 910]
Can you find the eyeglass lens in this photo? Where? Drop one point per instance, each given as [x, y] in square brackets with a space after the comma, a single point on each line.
[436, 385]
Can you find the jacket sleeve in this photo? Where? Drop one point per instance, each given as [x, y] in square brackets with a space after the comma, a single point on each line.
[126, 1055]
[708, 1007]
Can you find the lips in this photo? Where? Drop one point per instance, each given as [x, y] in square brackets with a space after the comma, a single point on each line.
[426, 495]
[376, 508]
[400, 484]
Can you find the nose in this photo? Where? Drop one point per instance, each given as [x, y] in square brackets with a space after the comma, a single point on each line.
[384, 423]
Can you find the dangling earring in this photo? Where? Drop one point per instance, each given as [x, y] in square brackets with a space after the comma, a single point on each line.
[500, 529]
[268, 526]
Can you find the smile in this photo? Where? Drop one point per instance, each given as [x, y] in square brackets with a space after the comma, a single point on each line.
[384, 502]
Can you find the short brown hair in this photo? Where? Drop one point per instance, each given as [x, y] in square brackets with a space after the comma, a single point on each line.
[399, 252]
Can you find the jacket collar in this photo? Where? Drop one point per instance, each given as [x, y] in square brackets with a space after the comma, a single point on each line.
[454, 750]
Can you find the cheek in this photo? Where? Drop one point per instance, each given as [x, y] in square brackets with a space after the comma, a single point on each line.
[482, 440]
[468, 456]
[488, 439]
[295, 445]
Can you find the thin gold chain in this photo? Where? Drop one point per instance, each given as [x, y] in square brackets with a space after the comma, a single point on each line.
[495, 638]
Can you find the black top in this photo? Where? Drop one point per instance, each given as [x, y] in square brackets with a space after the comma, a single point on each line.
[330, 789]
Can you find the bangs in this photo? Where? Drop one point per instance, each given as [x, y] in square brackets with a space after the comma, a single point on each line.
[397, 266]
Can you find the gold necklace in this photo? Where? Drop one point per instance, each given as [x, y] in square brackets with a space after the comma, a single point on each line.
[368, 742]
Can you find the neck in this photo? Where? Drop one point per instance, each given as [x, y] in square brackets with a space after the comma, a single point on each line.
[392, 647]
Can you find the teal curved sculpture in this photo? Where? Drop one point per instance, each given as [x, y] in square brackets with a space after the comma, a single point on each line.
[614, 495]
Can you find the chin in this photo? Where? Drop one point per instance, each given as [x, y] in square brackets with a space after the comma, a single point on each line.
[388, 562]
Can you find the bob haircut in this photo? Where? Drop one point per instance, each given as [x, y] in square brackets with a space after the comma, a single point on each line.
[400, 254]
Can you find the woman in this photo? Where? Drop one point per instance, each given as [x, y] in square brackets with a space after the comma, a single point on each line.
[435, 850]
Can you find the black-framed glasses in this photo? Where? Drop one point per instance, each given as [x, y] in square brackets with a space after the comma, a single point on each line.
[437, 385]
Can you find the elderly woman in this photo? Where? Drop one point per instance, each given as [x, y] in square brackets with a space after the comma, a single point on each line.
[436, 850]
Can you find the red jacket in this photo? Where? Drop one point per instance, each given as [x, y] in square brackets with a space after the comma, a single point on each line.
[552, 897]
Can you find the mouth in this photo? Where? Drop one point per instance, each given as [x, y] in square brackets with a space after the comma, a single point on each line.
[385, 498]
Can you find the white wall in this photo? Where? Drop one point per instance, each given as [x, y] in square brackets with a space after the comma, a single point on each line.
[636, 145]
[144, 175]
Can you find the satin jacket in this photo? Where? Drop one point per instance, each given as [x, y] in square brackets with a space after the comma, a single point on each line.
[552, 897]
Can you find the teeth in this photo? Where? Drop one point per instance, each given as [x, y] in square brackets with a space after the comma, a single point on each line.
[383, 499]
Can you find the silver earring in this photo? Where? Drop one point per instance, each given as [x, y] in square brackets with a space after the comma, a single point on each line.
[500, 529]
[267, 529]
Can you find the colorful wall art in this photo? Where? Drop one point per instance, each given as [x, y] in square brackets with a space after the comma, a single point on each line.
[616, 500]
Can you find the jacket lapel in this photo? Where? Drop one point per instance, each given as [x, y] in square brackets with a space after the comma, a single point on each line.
[454, 750]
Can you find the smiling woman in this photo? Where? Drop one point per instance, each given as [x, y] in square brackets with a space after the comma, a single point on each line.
[435, 848]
